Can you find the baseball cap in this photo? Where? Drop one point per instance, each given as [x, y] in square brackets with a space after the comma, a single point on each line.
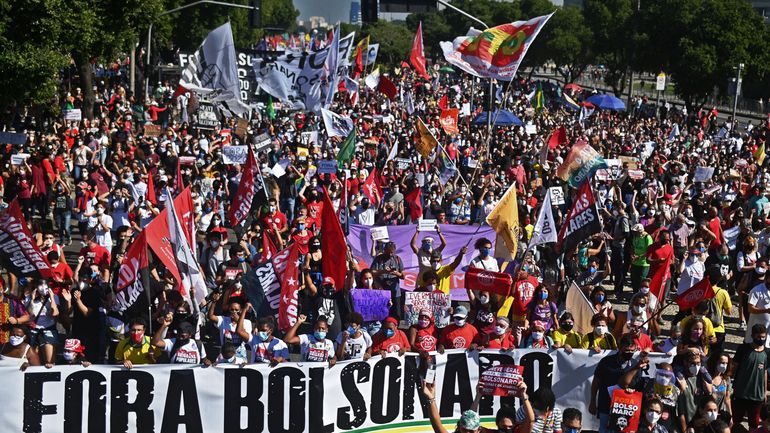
[637, 228]
[460, 311]
[470, 420]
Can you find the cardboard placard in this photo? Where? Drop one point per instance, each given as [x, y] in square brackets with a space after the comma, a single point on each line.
[703, 174]
[557, 195]
[371, 304]
[438, 303]
[636, 174]
[501, 380]
[427, 225]
[327, 166]
[151, 130]
[380, 233]
[261, 141]
[633, 162]
[235, 154]
[241, 128]
[530, 129]
[206, 116]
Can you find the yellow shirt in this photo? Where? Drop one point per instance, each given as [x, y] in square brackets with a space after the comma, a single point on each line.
[723, 302]
[605, 342]
[572, 338]
[144, 354]
[444, 277]
[709, 330]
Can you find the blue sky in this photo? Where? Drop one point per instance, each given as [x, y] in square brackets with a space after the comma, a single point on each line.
[332, 10]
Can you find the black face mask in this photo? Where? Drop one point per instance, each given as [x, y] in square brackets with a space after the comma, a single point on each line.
[567, 326]
[626, 355]
[760, 341]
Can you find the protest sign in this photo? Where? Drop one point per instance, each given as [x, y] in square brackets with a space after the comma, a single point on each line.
[501, 380]
[278, 170]
[625, 410]
[493, 282]
[731, 235]
[631, 162]
[19, 158]
[372, 304]
[403, 163]
[427, 225]
[12, 138]
[302, 396]
[379, 233]
[557, 195]
[151, 130]
[530, 129]
[186, 160]
[309, 138]
[234, 154]
[636, 174]
[241, 128]
[73, 115]
[703, 174]
[438, 303]
[612, 172]
[261, 141]
[327, 166]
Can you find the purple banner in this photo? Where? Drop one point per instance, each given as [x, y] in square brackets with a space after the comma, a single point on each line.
[372, 304]
[457, 236]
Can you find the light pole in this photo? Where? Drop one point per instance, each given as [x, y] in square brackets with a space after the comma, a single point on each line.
[737, 92]
[149, 32]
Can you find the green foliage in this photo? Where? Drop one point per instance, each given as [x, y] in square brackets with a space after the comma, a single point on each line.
[395, 40]
[568, 42]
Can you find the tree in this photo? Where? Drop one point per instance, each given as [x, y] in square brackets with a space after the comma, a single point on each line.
[568, 42]
[395, 40]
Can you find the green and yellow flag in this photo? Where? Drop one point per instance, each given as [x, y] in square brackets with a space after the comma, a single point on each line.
[347, 150]
[539, 99]
[759, 154]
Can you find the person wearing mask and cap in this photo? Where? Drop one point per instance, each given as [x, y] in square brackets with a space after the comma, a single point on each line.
[459, 334]
[388, 270]
[323, 302]
[423, 335]
[390, 339]
[620, 233]
[484, 260]
[501, 338]
[137, 348]
[184, 349]
[640, 242]
[313, 347]
[536, 338]
[694, 383]
[74, 353]
[426, 250]
[607, 374]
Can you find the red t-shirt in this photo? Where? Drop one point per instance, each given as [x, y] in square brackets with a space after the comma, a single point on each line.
[643, 342]
[314, 213]
[427, 338]
[456, 337]
[61, 271]
[715, 225]
[392, 344]
[523, 291]
[507, 343]
[302, 241]
[278, 218]
[98, 255]
[658, 254]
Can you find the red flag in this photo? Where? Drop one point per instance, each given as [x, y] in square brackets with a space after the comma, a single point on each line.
[405, 65]
[130, 284]
[333, 245]
[387, 87]
[414, 199]
[359, 63]
[268, 247]
[184, 208]
[179, 182]
[494, 282]
[371, 189]
[558, 137]
[151, 190]
[417, 56]
[659, 278]
[448, 120]
[443, 103]
[19, 253]
[286, 267]
[692, 296]
[245, 196]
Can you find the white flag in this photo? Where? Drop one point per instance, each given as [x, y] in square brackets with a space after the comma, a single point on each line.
[582, 311]
[545, 229]
[393, 151]
[185, 259]
[332, 61]
[336, 125]
[352, 86]
[212, 71]
[371, 56]
[409, 102]
[373, 79]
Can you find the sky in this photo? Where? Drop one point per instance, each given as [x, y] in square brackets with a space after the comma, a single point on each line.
[332, 10]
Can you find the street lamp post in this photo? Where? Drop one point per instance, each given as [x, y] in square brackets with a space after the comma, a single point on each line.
[737, 92]
[149, 31]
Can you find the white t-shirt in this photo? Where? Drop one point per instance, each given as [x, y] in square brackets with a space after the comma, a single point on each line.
[489, 264]
[759, 297]
[44, 317]
[103, 236]
[692, 274]
[312, 350]
[355, 347]
[187, 354]
[262, 351]
[227, 330]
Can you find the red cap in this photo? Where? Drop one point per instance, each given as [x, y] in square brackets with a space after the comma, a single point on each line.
[329, 280]
[392, 320]
[73, 345]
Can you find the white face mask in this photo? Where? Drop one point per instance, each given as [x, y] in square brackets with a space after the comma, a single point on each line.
[430, 287]
[500, 330]
[16, 340]
[69, 356]
[712, 415]
[484, 299]
[231, 360]
[459, 322]
[644, 290]
[600, 330]
[369, 282]
[722, 368]
[537, 336]
[638, 309]
[652, 417]
[435, 265]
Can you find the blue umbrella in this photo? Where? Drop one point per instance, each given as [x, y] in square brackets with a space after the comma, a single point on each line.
[500, 117]
[607, 102]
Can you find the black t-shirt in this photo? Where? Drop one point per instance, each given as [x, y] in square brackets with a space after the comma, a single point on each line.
[608, 372]
[62, 202]
[87, 327]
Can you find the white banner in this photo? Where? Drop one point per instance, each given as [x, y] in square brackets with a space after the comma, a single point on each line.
[234, 154]
[310, 397]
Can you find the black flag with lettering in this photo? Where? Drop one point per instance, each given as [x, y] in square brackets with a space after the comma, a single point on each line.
[19, 253]
[582, 220]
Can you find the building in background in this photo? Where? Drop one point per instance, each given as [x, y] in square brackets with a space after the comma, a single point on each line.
[355, 12]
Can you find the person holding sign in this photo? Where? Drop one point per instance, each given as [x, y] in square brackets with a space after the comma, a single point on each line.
[426, 250]
[313, 347]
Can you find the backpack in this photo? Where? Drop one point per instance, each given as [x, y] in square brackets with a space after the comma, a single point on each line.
[712, 312]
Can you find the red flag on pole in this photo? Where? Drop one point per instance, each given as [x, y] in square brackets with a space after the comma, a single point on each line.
[414, 199]
[333, 245]
[151, 190]
[448, 120]
[387, 87]
[359, 63]
[286, 266]
[417, 56]
[692, 296]
[443, 103]
[20, 254]
[179, 182]
[245, 196]
[659, 277]
[558, 137]
[268, 247]
[371, 189]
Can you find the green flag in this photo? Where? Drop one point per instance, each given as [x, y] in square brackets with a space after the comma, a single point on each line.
[270, 109]
[348, 148]
[539, 98]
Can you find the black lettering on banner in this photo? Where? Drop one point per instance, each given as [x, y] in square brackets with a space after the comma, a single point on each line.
[487, 361]
[316, 415]
[181, 389]
[352, 374]
[393, 367]
[255, 409]
[456, 376]
[537, 365]
[276, 405]
[34, 409]
[96, 403]
[412, 382]
[120, 407]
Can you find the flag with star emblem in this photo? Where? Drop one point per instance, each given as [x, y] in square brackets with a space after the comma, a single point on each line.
[286, 266]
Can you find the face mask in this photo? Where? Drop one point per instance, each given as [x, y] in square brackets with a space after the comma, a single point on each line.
[263, 335]
[484, 299]
[599, 298]
[48, 242]
[567, 326]
[427, 247]
[215, 244]
[663, 379]
[484, 252]
[500, 330]
[712, 415]
[430, 287]
[42, 290]
[459, 322]
[760, 341]
[272, 208]
[301, 227]
[600, 330]
[231, 360]
[319, 335]
[16, 340]
[615, 213]
[351, 330]
[694, 369]
[69, 356]
[435, 265]
[424, 323]
[99, 211]
[389, 333]
[627, 355]
[537, 336]
[644, 290]
[652, 417]
[94, 275]
[722, 368]
[241, 259]
[215, 221]
[137, 337]
[638, 309]
[543, 295]
[761, 271]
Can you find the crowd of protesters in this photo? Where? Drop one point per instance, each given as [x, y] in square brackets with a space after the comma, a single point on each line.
[87, 181]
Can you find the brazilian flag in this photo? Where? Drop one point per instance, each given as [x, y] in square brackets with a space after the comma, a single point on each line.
[539, 99]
